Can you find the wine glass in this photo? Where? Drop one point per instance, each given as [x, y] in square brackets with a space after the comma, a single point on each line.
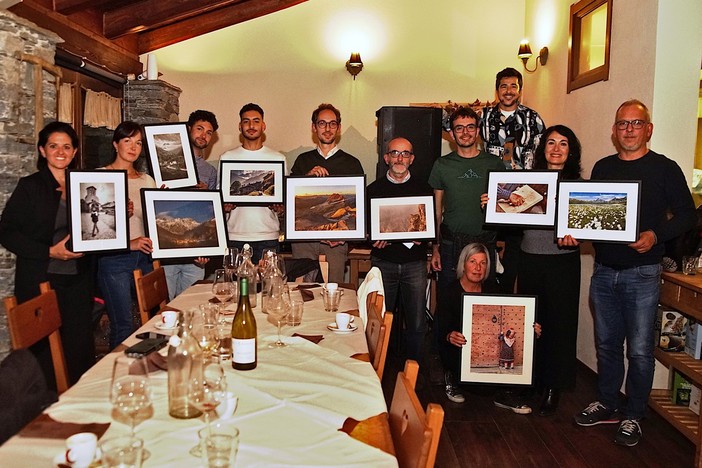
[222, 287]
[231, 262]
[278, 308]
[130, 393]
[206, 392]
[204, 330]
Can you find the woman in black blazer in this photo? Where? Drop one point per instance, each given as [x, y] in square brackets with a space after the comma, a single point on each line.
[34, 226]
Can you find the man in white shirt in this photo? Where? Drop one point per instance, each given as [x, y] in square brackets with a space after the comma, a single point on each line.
[257, 226]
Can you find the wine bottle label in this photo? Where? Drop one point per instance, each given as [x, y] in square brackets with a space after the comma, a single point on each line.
[244, 351]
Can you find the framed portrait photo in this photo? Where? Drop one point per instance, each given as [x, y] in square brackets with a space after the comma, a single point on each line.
[184, 223]
[325, 208]
[97, 210]
[500, 334]
[602, 211]
[402, 218]
[252, 182]
[521, 198]
[170, 155]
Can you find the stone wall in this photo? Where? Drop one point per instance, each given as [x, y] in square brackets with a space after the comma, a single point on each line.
[17, 129]
[151, 101]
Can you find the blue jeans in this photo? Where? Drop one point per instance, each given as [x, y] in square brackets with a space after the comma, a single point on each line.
[407, 282]
[116, 281]
[625, 303]
[180, 277]
[257, 247]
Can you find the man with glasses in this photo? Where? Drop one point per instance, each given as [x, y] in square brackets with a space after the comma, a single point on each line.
[327, 159]
[257, 226]
[403, 264]
[625, 283]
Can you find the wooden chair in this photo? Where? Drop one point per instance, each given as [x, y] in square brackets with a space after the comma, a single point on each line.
[152, 291]
[34, 320]
[415, 433]
[377, 332]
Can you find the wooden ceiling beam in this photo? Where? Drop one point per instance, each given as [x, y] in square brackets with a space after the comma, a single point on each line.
[66, 7]
[156, 13]
[209, 21]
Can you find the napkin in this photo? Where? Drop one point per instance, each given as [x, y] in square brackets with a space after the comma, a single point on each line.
[307, 286]
[307, 295]
[45, 427]
[313, 338]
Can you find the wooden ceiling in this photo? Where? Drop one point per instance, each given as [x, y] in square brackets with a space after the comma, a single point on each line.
[113, 33]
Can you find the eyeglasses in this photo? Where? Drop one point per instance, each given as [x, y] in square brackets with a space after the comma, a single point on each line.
[400, 154]
[465, 128]
[321, 124]
[637, 124]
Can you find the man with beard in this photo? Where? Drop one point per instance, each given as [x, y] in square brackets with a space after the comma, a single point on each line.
[201, 127]
[325, 160]
[403, 265]
[511, 131]
[257, 226]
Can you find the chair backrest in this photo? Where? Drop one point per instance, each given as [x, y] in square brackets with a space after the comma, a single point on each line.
[152, 291]
[415, 433]
[377, 331]
[34, 320]
[324, 267]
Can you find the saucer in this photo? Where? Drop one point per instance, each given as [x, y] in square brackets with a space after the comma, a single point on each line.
[59, 461]
[163, 327]
[332, 327]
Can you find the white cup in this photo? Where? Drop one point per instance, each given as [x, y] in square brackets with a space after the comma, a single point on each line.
[331, 287]
[226, 409]
[80, 449]
[343, 320]
[169, 318]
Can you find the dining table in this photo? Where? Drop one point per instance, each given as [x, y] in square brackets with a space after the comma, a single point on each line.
[314, 402]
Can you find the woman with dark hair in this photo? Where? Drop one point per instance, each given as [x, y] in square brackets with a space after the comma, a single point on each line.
[34, 226]
[115, 272]
[553, 274]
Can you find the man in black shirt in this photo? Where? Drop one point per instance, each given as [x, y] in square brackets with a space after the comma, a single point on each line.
[625, 283]
[403, 265]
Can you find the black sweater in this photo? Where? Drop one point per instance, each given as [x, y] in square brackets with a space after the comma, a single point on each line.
[340, 164]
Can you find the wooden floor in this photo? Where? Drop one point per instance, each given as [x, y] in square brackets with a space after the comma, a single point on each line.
[478, 434]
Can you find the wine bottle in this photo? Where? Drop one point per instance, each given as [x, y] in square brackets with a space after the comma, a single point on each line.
[244, 341]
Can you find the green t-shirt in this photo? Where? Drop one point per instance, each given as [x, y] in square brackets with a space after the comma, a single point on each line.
[463, 180]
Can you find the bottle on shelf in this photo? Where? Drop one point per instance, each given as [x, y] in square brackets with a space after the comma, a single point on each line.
[244, 336]
[184, 364]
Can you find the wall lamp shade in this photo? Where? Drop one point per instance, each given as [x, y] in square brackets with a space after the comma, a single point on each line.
[354, 65]
[525, 54]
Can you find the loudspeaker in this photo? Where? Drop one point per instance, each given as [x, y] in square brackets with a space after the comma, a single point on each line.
[421, 126]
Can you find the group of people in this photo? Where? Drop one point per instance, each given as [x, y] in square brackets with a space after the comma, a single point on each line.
[623, 290]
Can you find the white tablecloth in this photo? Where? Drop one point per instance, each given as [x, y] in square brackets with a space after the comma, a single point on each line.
[290, 407]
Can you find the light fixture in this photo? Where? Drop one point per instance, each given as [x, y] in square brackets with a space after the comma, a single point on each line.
[525, 54]
[354, 64]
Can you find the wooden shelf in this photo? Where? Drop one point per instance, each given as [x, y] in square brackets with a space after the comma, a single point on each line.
[681, 417]
[686, 364]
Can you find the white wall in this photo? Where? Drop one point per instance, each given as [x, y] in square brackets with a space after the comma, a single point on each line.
[290, 61]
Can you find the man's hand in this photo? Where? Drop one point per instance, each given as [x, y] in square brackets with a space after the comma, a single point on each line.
[228, 207]
[568, 241]
[201, 261]
[142, 244]
[333, 244]
[318, 171]
[380, 244]
[201, 186]
[647, 240]
[435, 258]
[277, 208]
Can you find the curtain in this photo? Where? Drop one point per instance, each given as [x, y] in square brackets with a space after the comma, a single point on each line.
[102, 110]
[65, 103]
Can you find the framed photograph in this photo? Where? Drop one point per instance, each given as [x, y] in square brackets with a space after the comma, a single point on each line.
[589, 42]
[184, 223]
[170, 155]
[325, 208]
[500, 334]
[522, 198]
[602, 211]
[402, 218]
[97, 210]
[252, 182]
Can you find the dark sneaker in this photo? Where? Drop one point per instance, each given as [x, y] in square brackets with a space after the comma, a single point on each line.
[510, 401]
[452, 391]
[629, 433]
[597, 413]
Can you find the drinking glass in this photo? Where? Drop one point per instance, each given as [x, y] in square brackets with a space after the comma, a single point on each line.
[122, 452]
[222, 287]
[206, 393]
[204, 330]
[130, 392]
[231, 262]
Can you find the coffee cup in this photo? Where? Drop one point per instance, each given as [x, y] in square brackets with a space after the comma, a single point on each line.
[80, 449]
[343, 320]
[331, 287]
[169, 318]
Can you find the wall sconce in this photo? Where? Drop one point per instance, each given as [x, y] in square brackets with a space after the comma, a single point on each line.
[525, 54]
[354, 65]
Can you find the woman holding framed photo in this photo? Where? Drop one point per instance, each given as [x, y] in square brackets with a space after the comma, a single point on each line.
[553, 274]
[115, 272]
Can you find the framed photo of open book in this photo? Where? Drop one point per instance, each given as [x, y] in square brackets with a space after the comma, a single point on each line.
[522, 198]
[170, 155]
[601, 211]
[402, 218]
[500, 334]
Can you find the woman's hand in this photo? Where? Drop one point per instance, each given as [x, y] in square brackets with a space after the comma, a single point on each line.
[484, 199]
[130, 208]
[59, 251]
[142, 244]
[456, 339]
